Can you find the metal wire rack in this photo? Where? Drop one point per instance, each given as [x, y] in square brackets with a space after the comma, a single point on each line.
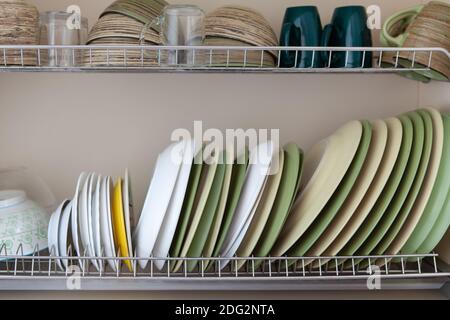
[42, 271]
[108, 58]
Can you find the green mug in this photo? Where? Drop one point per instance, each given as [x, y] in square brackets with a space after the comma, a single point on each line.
[401, 21]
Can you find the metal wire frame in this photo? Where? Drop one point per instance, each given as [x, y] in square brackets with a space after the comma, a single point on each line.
[43, 264]
[150, 59]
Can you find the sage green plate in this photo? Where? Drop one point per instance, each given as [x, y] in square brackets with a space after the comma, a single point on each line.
[237, 182]
[323, 220]
[440, 189]
[289, 185]
[207, 216]
[387, 194]
[442, 223]
[188, 203]
[408, 204]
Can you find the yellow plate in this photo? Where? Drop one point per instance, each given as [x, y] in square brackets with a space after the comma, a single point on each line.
[120, 234]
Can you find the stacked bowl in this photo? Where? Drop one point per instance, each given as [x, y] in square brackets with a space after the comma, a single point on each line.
[122, 24]
[240, 26]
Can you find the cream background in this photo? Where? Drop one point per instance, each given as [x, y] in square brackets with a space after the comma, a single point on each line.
[62, 124]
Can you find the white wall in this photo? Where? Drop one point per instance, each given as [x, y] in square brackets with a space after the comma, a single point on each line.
[62, 124]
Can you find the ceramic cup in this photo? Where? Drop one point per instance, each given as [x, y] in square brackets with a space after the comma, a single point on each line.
[23, 224]
[348, 28]
[421, 26]
[301, 28]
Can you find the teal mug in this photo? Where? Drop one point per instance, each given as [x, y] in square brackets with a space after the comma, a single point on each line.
[348, 28]
[301, 28]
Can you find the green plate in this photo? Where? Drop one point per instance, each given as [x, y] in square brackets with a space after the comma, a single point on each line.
[420, 173]
[237, 182]
[442, 223]
[188, 203]
[207, 218]
[436, 200]
[289, 185]
[321, 223]
[387, 194]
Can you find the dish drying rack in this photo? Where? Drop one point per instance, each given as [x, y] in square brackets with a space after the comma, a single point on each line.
[40, 271]
[149, 59]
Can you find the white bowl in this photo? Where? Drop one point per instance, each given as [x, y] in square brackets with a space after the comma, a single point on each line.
[23, 224]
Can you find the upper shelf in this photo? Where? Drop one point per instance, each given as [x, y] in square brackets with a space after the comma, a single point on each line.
[218, 59]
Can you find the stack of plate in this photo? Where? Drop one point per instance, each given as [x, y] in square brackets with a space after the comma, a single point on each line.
[95, 223]
[240, 26]
[19, 25]
[122, 24]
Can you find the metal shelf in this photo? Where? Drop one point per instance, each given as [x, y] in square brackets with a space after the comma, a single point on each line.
[401, 272]
[205, 59]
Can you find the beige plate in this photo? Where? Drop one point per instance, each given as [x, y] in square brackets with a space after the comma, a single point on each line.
[356, 195]
[394, 140]
[325, 167]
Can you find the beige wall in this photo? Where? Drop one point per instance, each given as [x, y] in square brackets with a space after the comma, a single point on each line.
[62, 124]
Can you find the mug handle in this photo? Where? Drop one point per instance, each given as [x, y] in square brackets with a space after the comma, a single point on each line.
[398, 41]
[155, 23]
[326, 38]
[285, 39]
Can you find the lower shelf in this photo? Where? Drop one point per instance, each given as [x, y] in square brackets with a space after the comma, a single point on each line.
[47, 273]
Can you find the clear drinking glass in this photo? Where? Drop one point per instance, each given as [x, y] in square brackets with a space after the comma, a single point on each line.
[180, 25]
[62, 28]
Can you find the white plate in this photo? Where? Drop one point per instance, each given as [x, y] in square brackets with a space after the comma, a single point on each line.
[127, 209]
[78, 246]
[259, 166]
[325, 166]
[63, 233]
[53, 227]
[169, 225]
[157, 200]
[96, 218]
[106, 228]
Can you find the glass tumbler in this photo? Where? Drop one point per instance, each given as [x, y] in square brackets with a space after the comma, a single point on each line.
[180, 25]
[62, 28]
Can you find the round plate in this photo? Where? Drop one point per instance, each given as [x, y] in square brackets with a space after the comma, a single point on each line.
[166, 233]
[315, 239]
[442, 223]
[128, 209]
[106, 226]
[390, 155]
[325, 167]
[207, 218]
[237, 183]
[120, 232]
[218, 219]
[53, 232]
[74, 217]
[289, 185]
[157, 200]
[344, 226]
[256, 227]
[201, 198]
[387, 194]
[257, 175]
[96, 218]
[188, 204]
[63, 233]
[396, 228]
[426, 189]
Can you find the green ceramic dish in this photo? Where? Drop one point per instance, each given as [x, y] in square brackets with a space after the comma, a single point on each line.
[237, 182]
[436, 200]
[420, 173]
[442, 223]
[204, 226]
[289, 185]
[387, 194]
[314, 232]
[188, 203]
